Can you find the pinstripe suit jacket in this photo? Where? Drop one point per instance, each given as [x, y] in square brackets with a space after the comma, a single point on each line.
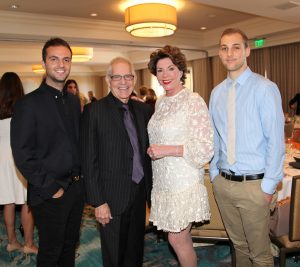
[108, 155]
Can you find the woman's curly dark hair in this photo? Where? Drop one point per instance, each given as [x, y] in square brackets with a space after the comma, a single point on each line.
[173, 53]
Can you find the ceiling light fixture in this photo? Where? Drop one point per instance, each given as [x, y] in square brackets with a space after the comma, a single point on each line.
[151, 20]
[38, 69]
[81, 54]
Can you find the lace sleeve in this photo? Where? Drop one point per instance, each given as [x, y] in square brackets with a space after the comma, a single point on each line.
[198, 145]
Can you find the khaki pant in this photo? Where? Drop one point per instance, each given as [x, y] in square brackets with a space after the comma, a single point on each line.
[245, 214]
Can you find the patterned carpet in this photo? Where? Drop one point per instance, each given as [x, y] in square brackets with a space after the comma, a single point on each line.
[157, 254]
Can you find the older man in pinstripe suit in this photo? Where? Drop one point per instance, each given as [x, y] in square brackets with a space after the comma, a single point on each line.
[116, 168]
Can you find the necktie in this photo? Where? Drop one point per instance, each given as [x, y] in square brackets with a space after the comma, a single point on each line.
[231, 125]
[137, 169]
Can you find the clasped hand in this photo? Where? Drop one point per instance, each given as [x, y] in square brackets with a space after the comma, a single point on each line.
[155, 152]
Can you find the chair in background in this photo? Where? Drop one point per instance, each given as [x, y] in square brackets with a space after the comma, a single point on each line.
[212, 231]
[291, 242]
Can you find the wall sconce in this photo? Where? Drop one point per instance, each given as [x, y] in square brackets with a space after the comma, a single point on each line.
[151, 20]
[81, 54]
[38, 69]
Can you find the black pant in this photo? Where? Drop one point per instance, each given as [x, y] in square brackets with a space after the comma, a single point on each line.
[122, 240]
[58, 223]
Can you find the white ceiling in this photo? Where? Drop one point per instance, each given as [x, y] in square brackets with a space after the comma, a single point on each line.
[24, 30]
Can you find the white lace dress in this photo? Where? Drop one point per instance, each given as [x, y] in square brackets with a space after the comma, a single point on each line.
[179, 196]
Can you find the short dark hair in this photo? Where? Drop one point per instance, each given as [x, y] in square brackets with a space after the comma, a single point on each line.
[231, 31]
[143, 90]
[54, 42]
[11, 89]
[173, 53]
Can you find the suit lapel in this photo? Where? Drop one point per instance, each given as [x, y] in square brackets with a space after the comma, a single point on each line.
[115, 114]
[76, 115]
[118, 121]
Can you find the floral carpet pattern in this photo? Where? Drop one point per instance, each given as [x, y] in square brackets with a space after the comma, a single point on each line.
[157, 254]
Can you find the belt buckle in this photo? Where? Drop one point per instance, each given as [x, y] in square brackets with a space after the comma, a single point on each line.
[76, 178]
[228, 176]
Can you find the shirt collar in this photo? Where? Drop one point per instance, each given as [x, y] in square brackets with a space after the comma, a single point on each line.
[119, 103]
[53, 91]
[241, 80]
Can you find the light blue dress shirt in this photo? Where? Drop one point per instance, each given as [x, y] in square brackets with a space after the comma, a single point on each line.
[259, 129]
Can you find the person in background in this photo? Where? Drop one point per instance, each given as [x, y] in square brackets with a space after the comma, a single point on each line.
[13, 186]
[91, 96]
[151, 98]
[134, 96]
[181, 143]
[116, 167]
[143, 91]
[45, 145]
[294, 104]
[248, 120]
[72, 87]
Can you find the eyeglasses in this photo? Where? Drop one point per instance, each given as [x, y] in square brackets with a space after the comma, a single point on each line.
[127, 77]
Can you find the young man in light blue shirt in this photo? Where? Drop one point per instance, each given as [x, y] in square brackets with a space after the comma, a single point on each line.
[246, 171]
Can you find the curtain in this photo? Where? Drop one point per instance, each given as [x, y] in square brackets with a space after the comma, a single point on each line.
[202, 82]
[219, 73]
[103, 88]
[284, 71]
[146, 77]
[281, 65]
[143, 79]
[259, 61]
[139, 80]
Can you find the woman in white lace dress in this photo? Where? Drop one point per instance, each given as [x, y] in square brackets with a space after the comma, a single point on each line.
[181, 143]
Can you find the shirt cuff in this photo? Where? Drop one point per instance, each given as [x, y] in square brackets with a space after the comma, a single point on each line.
[268, 185]
[213, 174]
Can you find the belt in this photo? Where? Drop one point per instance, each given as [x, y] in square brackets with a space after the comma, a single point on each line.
[75, 178]
[241, 178]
